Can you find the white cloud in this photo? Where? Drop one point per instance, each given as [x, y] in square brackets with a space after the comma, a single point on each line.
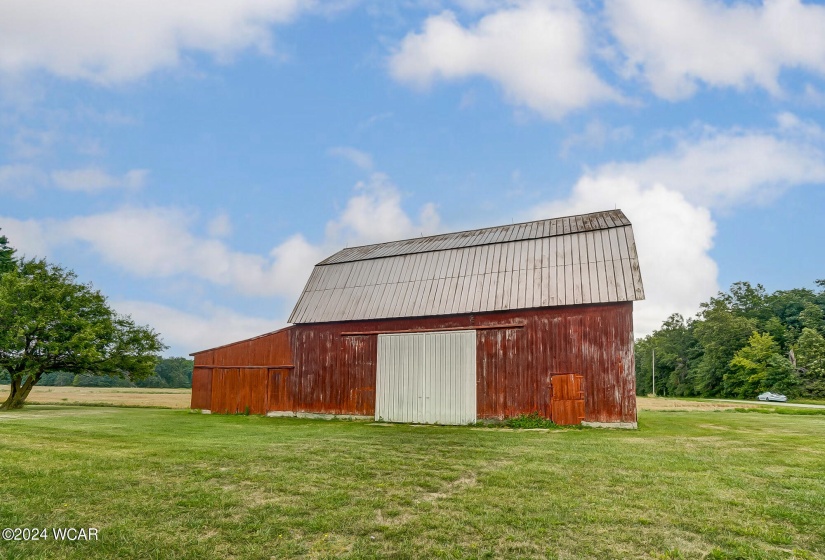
[188, 332]
[356, 157]
[20, 179]
[375, 215]
[536, 51]
[30, 237]
[480, 5]
[813, 96]
[93, 180]
[160, 242]
[110, 42]
[673, 238]
[23, 179]
[678, 44]
[220, 225]
[594, 136]
[29, 143]
[372, 120]
[793, 126]
[721, 168]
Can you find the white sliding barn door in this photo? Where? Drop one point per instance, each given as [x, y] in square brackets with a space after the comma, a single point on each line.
[426, 378]
[399, 383]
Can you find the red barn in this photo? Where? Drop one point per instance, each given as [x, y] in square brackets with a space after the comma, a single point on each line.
[451, 329]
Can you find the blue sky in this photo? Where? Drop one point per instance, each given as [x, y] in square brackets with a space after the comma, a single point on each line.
[193, 160]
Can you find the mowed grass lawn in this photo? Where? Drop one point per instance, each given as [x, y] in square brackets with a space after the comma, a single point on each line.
[174, 484]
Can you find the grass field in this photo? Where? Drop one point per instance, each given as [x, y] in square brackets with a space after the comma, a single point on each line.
[174, 484]
[809, 401]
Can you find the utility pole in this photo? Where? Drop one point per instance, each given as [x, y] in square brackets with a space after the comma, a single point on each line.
[654, 372]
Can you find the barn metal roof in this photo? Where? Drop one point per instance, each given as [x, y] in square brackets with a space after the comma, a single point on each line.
[590, 258]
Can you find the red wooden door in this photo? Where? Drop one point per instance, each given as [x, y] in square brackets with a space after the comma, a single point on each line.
[567, 399]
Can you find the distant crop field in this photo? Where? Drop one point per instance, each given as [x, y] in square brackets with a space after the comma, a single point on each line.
[663, 403]
[175, 484]
[115, 396]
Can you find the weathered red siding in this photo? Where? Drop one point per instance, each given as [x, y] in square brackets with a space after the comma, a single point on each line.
[202, 388]
[237, 384]
[595, 341]
[268, 350]
[280, 393]
[236, 390]
[335, 373]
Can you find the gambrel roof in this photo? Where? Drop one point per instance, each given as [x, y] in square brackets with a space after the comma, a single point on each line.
[590, 258]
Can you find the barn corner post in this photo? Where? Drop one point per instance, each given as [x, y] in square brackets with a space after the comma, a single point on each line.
[629, 412]
[634, 413]
[452, 328]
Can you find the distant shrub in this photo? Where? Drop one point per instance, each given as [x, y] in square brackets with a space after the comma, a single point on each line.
[815, 388]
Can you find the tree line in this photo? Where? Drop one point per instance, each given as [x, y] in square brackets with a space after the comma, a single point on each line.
[741, 343]
[170, 373]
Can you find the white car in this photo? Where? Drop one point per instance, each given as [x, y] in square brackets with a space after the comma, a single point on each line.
[775, 397]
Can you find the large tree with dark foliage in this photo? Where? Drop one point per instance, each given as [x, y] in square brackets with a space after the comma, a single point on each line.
[174, 373]
[741, 342]
[676, 352]
[51, 322]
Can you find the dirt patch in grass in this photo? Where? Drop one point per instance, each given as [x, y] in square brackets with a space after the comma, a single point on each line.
[120, 396]
[462, 483]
